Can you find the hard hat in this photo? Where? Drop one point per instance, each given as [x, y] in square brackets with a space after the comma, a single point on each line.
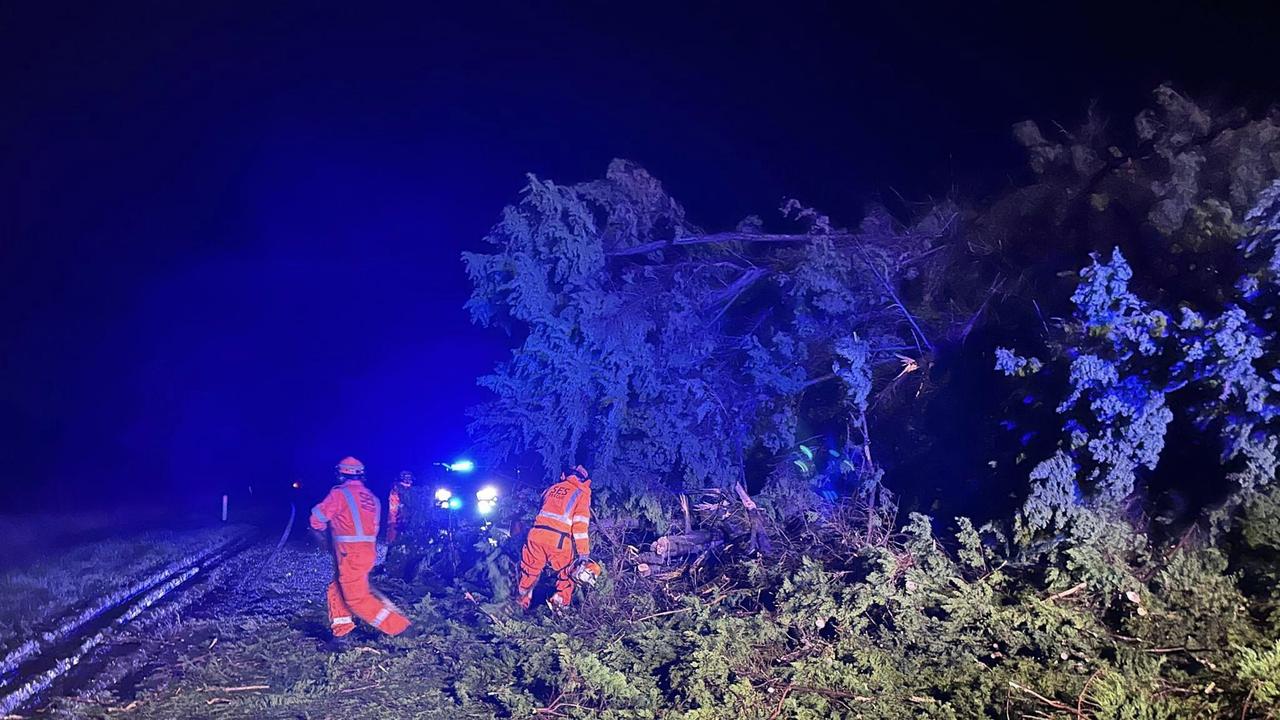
[406, 477]
[589, 572]
[350, 467]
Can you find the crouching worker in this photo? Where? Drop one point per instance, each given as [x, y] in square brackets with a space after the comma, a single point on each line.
[558, 538]
[350, 513]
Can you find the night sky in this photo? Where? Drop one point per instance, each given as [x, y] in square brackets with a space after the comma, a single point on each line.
[230, 232]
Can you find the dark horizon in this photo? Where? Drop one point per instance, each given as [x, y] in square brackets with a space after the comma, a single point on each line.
[231, 233]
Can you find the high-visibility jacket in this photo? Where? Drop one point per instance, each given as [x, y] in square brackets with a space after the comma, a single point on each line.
[350, 511]
[394, 504]
[566, 509]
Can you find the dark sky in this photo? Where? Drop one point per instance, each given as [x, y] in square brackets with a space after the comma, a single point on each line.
[230, 231]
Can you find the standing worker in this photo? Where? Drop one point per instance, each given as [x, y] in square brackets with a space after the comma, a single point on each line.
[558, 538]
[350, 512]
[396, 512]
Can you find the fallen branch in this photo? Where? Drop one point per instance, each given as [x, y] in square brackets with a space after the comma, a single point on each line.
[839, 694]
[476, 602]
[1085, 689]
[246, 688]
[1069, 591]
[661, 614]
[1047, 701]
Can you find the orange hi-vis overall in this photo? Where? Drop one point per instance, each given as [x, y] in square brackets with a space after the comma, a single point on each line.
[350, 512]
[559, 534]
[394, 505]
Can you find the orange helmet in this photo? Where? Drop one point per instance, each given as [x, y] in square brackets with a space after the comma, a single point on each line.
[579, 472]
[350, 467]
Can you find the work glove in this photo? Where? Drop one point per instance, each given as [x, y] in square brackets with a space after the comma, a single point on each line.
[321, 539]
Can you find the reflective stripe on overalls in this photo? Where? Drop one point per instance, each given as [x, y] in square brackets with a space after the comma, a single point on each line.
[355, 521]
[566, 518]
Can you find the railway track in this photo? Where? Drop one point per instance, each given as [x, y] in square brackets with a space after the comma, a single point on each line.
[80, 645]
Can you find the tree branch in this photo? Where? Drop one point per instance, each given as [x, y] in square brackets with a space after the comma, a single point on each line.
[722, 237]
[819, 380]
[920, 337]
[739, 286]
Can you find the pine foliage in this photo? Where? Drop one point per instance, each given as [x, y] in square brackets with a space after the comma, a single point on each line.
[669, 354]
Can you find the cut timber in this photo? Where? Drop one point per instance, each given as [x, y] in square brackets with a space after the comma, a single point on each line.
[660, 572]
[732, 527]
[653, 558]
[684, 544]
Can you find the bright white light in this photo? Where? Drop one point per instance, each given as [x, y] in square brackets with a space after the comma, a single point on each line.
[443, 495]
[484, 507]
[488, 492]
[463, 466]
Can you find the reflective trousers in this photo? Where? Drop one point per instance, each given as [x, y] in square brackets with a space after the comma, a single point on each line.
[546, 548]
[351, 597]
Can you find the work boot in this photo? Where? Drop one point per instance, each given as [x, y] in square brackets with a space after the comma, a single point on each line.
[338, 644]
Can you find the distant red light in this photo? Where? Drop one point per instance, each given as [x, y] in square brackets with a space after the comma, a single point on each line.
[296, 484]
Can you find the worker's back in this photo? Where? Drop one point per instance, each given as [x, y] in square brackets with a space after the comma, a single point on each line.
[560, 500]
[351, 512]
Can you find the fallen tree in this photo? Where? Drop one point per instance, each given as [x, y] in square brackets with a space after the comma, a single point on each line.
[687, 366]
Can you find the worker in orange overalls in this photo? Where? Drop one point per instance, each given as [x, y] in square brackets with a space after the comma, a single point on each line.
[395, 505]
[558, 538]
[350, 512]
